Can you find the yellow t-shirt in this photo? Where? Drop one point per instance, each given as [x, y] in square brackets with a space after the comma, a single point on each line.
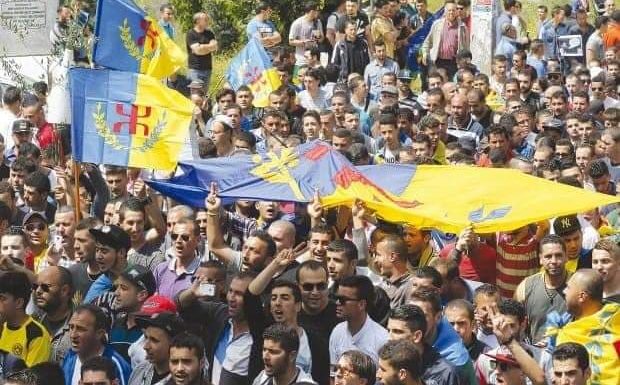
[31, 342]
[379, 27]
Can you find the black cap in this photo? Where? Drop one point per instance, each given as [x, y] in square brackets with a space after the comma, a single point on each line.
[22, 125]
[111, 235]
[169, 322]
[33, 214]
[566, 225]
[141, 277]
[553, 124]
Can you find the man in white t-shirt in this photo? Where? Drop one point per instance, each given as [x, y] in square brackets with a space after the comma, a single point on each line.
[11, 108]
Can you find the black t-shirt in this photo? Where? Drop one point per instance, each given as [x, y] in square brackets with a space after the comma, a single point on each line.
[199, 62]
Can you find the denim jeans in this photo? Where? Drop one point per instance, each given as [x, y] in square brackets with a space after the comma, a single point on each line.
[205, 76]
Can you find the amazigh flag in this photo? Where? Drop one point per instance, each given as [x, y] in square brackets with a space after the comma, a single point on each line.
[416, 40]
[127, 119]
[448, 198]
[252, 67]
[127, 39]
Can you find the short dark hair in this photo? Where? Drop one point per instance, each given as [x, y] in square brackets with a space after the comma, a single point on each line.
[570, 350]
[102, 321]
[403, 354]
[100, 364]
[265, 237]
[16, 284]
[513, 308]
[11, 95]
[429, 272]
[288, 284]
[287, 337]
[362, 364]
[39, 181]
[362, 285]
[412, 315]
[312, 265]
[191, 342]
[344, 246]
[461, 304]
[131, 204]
[430, 296]
[552, 239]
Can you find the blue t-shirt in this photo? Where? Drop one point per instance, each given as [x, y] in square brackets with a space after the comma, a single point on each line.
[257, 28]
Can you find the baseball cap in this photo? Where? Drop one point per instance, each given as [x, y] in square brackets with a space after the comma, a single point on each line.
[505, 358]
[405, 74]
[111, 235]
[554, 124]
[196, 84]
[22, 125]
[168, 321]
[566, 225]
[389, 90]
[157, 304]
[33, 214]
[141, 277]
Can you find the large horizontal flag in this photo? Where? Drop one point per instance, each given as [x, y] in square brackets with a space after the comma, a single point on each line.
[252, 67]
[127, 119]
[127, 39]
[447, 198]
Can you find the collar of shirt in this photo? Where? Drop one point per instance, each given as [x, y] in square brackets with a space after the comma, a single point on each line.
[191, 269]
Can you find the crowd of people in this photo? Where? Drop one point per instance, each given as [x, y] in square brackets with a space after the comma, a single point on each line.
[106, 282]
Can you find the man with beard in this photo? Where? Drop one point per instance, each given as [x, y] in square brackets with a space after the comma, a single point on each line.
[399, 364]
[133, 287]
[187, 360]
[408, 322]
[280, 349]
[606, 261]
[133, 218]
[541, 293]
[317, 313]
[233, 343]
[53, 296]
[86, 270]
[569, 228]
[285, 305]
[358, 331]
[159, 330]
[257, 250]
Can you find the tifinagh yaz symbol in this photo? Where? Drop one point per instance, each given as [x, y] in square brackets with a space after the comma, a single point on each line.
[133, 115]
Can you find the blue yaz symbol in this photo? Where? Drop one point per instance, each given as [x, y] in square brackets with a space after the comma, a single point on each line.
[478, 216]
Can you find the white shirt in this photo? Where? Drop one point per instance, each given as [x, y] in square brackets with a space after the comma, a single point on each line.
[369, 339]
[77, 372]
[237, 356]
[6, 129]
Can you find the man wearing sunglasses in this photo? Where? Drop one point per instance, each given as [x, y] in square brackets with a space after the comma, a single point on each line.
[358, 331]
[53, 295]
[175, 275]
[36, 232]
[506, 370]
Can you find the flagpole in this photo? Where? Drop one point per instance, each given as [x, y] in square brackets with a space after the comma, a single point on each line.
[76, 200]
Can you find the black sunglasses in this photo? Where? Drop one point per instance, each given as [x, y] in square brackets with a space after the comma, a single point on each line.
[175, 236]
[343, 300]
[503, 366]
[45, 287]
[321, 286]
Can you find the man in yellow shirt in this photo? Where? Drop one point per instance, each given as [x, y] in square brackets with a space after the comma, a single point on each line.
[382, 27]
[21, 335]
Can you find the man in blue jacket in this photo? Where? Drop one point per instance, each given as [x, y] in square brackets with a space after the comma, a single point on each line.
[88, 329]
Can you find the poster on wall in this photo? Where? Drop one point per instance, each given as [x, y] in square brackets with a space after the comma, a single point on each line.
[483, 16]
[25, 27]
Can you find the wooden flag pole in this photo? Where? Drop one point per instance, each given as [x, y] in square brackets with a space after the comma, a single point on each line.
[76, 179]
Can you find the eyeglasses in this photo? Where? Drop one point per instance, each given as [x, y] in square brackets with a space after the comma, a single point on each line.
[321, 286]
[343, 300]
[45, 287]
[597, 88]
[554, 76]
[503, 366]
[35, 226]
[175, 236]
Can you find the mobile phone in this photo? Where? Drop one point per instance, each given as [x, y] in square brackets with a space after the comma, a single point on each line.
[57, 243]
[206, 289]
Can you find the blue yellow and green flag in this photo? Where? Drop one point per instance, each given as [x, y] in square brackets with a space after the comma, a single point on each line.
[127, 119]
[447, 198]
[252, 67]
[127, 39]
